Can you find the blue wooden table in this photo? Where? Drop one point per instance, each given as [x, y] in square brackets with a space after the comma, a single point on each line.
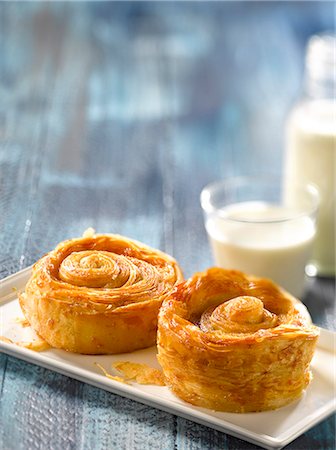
[115, 115]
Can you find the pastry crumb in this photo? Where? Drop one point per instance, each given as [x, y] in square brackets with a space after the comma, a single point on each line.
[108, 375]
[7, 340]
[36, 345]
[22, 321]
[89, 232]
[141, 373]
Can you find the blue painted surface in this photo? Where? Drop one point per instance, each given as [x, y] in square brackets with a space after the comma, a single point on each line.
[115, 115]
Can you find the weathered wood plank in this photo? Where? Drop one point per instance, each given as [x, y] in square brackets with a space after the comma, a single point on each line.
[40, 403]
[110, 421]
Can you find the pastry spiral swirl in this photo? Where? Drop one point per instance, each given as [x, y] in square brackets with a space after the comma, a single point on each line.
[99, 294]
[236, 343]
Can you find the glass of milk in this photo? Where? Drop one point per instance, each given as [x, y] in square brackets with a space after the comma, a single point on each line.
[255, 226]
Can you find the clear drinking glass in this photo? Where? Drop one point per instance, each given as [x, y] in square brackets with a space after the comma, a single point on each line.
[256, 225]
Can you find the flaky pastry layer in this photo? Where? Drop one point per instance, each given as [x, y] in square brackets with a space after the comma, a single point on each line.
[236, 343]
[99, 294]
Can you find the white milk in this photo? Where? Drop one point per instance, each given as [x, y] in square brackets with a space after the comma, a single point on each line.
[311, 157]
[267, 247]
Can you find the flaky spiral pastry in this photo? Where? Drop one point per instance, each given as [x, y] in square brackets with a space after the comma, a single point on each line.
[236, 343]
[99, 294]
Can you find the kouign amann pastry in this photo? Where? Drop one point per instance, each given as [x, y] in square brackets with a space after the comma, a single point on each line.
[99, 294]
[236, 343]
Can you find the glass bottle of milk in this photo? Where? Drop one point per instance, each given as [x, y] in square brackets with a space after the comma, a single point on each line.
[311, 144]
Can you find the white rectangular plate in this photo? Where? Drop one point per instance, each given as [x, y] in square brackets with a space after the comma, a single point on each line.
[271, 430]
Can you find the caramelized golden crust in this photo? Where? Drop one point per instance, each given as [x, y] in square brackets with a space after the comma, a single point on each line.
[232, 342]
[99, 294]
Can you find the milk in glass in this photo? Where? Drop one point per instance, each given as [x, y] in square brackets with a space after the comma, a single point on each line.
[263, 239]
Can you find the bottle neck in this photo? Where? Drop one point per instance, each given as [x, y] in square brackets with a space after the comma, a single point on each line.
[320, 70]
[315, 89]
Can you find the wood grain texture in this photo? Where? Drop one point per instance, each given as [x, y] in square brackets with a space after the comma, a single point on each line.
[115, 115]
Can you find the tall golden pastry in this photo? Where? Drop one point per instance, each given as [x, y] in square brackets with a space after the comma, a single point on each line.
[99, 294]
[236, 343]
